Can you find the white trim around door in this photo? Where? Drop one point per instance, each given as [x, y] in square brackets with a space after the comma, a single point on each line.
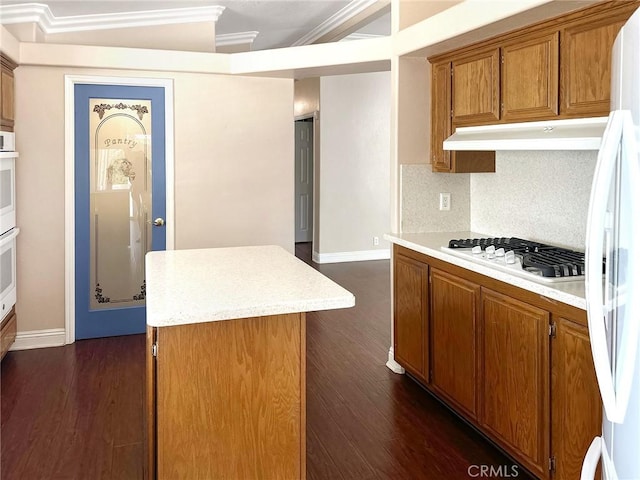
[69, 181]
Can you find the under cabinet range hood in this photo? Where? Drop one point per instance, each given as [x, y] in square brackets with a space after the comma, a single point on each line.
[572, 134]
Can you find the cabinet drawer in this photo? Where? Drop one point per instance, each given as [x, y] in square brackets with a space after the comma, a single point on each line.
[8, 333]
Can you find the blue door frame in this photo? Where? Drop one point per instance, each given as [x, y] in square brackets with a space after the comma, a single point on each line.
[124, 320]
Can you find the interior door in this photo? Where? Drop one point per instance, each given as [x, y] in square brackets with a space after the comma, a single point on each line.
[119, 204]
[304, 180]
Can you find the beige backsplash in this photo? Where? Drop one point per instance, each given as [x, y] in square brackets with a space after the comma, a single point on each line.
[541, 196]
[420, 189]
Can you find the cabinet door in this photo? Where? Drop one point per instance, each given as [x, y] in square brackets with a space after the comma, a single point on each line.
[454, 304]
[6, 94]
[475, 90]
[8, 333]
[530, 79]
[586, 65]
[576, 409]
[230, 399]
[440, 116]
[410, 316]
[515, 378]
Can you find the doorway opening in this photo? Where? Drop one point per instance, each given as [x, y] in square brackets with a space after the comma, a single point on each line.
[304, 183]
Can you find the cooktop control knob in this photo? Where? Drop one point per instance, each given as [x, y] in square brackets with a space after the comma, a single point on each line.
[510, 257]
[477, 249]
[500, 252]
[490, 251]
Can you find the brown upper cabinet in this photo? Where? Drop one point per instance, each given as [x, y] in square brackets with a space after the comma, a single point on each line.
[560, 68]
[440, 116]
[441, 125]
[476, 88]
[6, 93]
[586, 61]
[530, 78]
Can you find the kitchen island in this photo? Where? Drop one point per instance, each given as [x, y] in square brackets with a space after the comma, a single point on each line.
[226, 361]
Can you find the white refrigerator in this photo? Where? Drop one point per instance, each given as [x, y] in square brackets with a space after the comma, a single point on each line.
[613, 301]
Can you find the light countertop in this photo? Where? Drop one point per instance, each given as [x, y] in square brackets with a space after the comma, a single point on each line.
[204, 285]
[571, 293]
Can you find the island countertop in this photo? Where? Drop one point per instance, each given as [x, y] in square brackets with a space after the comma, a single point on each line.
[204, 285]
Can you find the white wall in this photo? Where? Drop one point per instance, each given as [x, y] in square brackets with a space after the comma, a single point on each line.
[233, 173]
[354, 164]
[540, 196]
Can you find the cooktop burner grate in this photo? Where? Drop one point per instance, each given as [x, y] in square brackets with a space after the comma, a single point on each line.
[536, 258]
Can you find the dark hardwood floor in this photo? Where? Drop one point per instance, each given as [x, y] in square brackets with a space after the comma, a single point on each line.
[75, 412]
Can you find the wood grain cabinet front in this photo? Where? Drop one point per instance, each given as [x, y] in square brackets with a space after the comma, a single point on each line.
[441, 128]
[440, 116]
[559, 68]
[7, 93]
[514, 397]
[226, 399]
[586, 46]
[410, 318]
[529, 88]
[475, 92]
[576, 409]
[516, 365]
[454, 372]
[8, 332]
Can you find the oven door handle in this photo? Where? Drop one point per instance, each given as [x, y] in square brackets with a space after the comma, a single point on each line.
[9, 236]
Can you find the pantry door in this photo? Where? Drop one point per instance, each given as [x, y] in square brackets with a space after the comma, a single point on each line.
[119, 204]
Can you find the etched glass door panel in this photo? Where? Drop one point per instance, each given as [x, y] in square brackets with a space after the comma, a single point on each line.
[120, 200]
[119, 179]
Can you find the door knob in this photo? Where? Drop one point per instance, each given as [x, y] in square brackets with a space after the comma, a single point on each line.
[158, 222]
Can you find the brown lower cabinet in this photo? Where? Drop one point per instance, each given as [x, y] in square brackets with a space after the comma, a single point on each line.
[514, 391]
[515, 364]
[226, 399]
[575, 392]
[454, 365]
[8, 331]
[411, 309]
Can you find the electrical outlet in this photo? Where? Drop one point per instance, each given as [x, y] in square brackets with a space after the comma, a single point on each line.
[376, 241]
[445, 201]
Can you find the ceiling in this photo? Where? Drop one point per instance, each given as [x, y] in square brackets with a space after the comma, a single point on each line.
[240, 25]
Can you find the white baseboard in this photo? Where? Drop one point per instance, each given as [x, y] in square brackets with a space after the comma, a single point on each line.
[53, 337]
[359, 256]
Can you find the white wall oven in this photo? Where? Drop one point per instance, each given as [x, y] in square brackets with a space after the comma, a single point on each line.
[8, 271]
[8, 230]
[8, 157]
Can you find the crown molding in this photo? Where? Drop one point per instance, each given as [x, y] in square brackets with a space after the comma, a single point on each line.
[360, 36]
[239, 38]
[353, 9]
[41, 14]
